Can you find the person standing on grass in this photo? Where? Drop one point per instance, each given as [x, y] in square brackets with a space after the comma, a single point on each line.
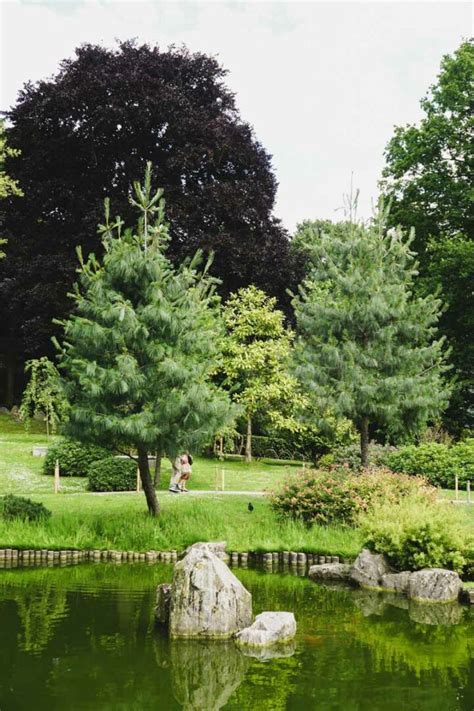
[176, 466]
[186, 470]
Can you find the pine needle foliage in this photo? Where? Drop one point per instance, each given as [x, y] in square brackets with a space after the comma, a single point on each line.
[367, 347]
[140, 347]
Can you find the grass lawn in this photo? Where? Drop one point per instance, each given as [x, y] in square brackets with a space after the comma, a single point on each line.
[20, 472]
[119, 521]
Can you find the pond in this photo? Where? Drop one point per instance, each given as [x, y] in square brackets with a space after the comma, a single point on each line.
[84, 638]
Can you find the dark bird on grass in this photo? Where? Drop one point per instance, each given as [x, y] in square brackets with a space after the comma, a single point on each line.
[250, 506]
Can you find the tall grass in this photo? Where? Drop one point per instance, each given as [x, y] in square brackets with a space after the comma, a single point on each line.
[120, 523]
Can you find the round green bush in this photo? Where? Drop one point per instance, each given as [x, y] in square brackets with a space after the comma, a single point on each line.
[340, 496]
[439, 463]
[12, 507]
[112, 474]
[418, 534]
[74, 457]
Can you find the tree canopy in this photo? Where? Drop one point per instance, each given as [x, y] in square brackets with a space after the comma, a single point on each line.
[88, 131]
[141, 345]
[428, 178]
[366, 346]
[255, 360]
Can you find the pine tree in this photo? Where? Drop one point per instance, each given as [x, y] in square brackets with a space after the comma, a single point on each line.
[256, 354]
[367, 346]
[141, 344]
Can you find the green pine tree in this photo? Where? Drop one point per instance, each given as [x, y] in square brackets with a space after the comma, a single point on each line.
[367, 346]
[140, 348]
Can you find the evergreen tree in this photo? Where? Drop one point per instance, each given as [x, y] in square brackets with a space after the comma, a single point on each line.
[366, 346]
[255, 360]
[141, 344]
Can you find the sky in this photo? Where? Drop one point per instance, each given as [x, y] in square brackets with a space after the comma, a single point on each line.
[322, 83]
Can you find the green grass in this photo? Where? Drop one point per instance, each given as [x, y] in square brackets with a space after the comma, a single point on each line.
[119, 521]
[20, 472]
[87, 521]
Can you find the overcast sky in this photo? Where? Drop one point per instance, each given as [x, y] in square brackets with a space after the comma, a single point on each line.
[322, 83]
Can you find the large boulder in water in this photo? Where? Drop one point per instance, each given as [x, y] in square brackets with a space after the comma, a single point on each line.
[434, 585]
[269, 628]
[368, 569]
[207, 600]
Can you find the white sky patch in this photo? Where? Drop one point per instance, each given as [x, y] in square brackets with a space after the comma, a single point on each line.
[322, 83]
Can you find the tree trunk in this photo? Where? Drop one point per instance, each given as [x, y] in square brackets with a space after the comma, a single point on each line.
[157, 476]
[147, 483]
[248, 443]
[364, 442]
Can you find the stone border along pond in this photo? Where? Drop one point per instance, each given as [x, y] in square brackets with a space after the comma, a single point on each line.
[369, 571]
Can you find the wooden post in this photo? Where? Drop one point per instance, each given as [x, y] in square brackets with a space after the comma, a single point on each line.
[456, 487]
[468, 491]
[56, 477]
[138, 479]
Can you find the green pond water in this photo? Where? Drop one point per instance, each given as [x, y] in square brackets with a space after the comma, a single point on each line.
[84, 638]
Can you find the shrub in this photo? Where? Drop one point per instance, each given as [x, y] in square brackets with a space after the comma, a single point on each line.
[112, 474]
[74, 457]
[416, 534]
[339, 496]
[439, 463]
[348, 455]
[12, 507]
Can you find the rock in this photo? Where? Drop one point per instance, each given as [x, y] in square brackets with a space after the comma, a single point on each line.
[330, 571]
[269, 628]
[39, 451]
[396, 582]
[217, 547]
[207, 600]
[204, 675]
[163, 601]
[448, 614]
[434, 585]
[368, 569]
[4, 410]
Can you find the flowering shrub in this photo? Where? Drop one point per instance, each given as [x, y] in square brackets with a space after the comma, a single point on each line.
[339, 496]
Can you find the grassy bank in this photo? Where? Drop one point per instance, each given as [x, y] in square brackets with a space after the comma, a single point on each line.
[86, 521]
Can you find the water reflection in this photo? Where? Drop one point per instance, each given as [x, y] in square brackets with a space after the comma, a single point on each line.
[88, 634]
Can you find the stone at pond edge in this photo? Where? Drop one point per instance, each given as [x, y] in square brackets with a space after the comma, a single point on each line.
[207, 600]
[368, 569]
[163, 602]
[330, 571]
[434, 585]
[396, 582]
[217, 547]
[448, 614]
[268, 629]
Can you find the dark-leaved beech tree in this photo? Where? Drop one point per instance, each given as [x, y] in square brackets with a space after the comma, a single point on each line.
[366, 347]
[140, 347]
[87, 132]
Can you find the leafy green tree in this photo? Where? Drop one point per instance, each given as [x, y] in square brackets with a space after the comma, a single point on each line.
[8, 186]
[255, 360]
[43, 395]
[429, 179]
[366, 346]
[141, 345]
